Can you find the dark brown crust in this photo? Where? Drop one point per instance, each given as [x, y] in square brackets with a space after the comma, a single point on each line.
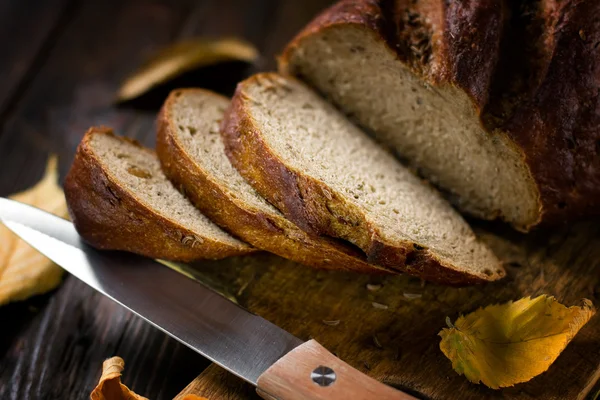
[313, 205]
[466, 48]
[526, 49]
[555, 122]
[559, 126]
[472, 35]
[108, 217]
[271, 232]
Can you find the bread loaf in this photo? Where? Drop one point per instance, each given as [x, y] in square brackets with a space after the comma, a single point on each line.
[495, 102]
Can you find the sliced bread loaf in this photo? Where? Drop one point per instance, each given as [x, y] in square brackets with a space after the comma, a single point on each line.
[193, 157]
[495, 102]
[328, 177]
[119, 199]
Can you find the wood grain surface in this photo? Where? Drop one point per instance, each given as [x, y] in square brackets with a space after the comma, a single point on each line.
[37, 26]
[290, 378]
[216, 383]
[62, 64]
[399, 344]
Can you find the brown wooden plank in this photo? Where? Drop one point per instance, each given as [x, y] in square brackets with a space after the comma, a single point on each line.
[76, 88]
[406, 354]
[28, 29]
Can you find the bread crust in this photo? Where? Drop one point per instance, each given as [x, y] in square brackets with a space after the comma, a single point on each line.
[472, 36]
[558, 126]
[313, 206]
[269, 232]
[108, 217]
[555, 127]
[366, 14]
[463, 32]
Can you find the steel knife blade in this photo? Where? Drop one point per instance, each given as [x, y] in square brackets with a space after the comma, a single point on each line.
[281, 365]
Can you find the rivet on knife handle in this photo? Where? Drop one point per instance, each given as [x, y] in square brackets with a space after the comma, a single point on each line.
[311, 372]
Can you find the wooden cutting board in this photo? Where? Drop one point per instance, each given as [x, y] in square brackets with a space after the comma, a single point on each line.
[399, 344]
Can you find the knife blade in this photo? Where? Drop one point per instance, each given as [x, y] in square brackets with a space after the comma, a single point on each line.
[281, 365]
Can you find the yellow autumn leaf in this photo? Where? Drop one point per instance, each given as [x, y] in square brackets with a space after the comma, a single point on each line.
[183, 57]
[505, 344]
[24, 272]
[110, 387]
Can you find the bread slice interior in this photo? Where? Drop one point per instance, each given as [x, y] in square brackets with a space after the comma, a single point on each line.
[436, 129]
[360, 191]
[197, 115]
[138, 171]
[193, 155]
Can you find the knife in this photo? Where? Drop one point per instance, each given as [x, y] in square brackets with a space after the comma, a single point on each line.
[280, 365]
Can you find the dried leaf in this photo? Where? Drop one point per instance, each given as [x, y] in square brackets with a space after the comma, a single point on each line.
[24, 272]
[194, 397]
[184, 57]
[505, 344]
[110, 387]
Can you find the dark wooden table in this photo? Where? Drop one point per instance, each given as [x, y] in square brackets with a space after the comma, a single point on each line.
[61, 64]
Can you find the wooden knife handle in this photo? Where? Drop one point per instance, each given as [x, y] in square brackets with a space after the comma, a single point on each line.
[310, 372]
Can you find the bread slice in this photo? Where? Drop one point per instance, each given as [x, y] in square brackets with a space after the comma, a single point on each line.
[193, 156]
[495, 102]
[119, 199]
[328, 177]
